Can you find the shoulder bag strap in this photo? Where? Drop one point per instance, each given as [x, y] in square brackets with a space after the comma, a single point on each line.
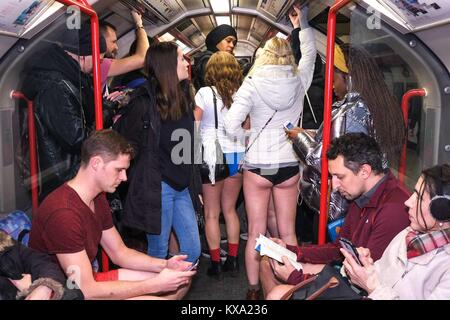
[216, 121]
[257, 136]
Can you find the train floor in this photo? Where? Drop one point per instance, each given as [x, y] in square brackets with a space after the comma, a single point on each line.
[205, 287]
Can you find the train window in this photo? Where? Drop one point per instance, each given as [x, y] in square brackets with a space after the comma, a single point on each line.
[403, 69]
[49, 70]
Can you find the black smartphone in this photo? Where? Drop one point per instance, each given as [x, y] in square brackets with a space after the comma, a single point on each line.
[350, 247]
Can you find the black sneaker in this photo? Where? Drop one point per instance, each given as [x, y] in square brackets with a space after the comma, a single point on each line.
[231, 265]
[223, 254]
[215, 271]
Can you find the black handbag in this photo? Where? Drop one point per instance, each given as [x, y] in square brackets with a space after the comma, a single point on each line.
[329, 284]
[221, 170]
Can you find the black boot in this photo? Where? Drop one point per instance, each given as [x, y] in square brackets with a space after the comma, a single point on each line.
[215, 270]
[231, 265]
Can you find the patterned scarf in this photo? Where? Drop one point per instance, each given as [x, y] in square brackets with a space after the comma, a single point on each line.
[418, 244]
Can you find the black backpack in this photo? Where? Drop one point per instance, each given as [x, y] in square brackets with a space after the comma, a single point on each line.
[200, 69]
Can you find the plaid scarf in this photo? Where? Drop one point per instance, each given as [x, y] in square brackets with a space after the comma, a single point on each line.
[418, 244]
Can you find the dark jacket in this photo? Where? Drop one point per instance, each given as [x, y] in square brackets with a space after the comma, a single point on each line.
[16, 259]
[64, 113]
[315, 91]
[199, 69]
[143, 199]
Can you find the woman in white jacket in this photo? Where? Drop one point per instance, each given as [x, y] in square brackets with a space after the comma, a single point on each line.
[272, 95]
[416, 264]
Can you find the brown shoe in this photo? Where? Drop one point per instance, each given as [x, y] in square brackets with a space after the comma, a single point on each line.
[253, 294]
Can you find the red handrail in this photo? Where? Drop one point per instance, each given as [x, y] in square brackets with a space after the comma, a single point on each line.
[32, 145]
[329, 71]
[87, 9]
[405, 104]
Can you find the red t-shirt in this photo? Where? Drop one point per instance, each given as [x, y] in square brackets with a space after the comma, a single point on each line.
[65, 224]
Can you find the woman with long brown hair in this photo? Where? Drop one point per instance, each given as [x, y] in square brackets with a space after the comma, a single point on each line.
[223, 77]
[162, 176]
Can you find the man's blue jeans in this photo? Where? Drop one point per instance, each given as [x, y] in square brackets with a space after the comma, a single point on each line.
[177, 212]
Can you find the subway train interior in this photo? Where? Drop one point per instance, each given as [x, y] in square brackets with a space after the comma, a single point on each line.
[409, 40]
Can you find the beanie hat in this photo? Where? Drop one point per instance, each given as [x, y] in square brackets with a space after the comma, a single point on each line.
[79, 41]
[339, 59]
[218, 34]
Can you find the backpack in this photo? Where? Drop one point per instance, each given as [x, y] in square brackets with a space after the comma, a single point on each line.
[18, 225]
[200, 69]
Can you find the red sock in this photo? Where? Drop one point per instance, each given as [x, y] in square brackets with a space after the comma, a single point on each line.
[233, 249]
[215, 254]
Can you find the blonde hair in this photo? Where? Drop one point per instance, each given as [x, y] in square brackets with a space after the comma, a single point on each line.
[223, 72]
[276, 51]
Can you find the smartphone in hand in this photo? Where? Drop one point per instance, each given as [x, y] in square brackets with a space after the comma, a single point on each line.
[288, 126]
[350, 248]
[193, 266]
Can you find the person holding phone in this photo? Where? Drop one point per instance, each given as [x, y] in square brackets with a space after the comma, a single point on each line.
[366, 105]
[416, 264]
[375, 216]
[348, 246]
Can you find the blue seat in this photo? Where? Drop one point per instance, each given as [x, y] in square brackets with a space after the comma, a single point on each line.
[18, 225]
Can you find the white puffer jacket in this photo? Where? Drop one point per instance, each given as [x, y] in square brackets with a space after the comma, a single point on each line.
[273, 88]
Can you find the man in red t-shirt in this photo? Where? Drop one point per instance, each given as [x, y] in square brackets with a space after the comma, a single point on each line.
[75, 219]
[376, 214]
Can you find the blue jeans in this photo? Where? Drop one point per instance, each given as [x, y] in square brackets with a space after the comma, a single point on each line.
[178, 213]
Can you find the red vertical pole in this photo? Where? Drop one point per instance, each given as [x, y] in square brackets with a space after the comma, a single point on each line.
[405, 104]
[329, 72]
[87, 9]
[33, 152]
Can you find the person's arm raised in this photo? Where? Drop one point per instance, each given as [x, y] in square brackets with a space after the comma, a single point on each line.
[307, 47]
[137, 60]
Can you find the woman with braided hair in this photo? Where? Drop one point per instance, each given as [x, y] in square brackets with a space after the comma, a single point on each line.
[365, 105]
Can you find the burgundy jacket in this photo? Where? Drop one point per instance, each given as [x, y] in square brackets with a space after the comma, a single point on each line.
[373, 226]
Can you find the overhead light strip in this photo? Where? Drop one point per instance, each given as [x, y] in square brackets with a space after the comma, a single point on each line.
[220, 6]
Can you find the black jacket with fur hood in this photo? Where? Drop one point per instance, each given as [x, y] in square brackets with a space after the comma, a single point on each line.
[16, 259]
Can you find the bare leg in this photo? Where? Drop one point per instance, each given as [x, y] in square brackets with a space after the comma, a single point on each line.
[285, 200]
[230, 193]
[257, 192]
[272, 220]
[278, 292]
[211, 198]
[266, 276]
